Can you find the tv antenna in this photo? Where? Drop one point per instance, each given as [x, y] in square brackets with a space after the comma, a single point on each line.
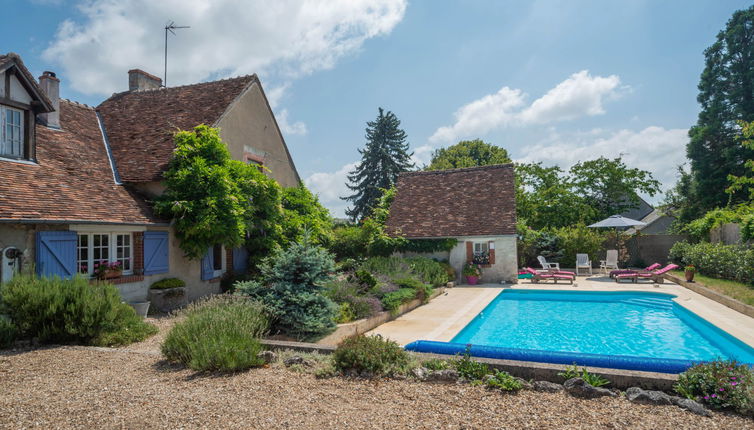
[169, 28]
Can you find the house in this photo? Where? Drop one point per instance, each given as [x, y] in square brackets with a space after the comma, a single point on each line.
[474, 205]
[75, 180]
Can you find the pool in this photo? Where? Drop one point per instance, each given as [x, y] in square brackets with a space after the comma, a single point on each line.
[635, 330]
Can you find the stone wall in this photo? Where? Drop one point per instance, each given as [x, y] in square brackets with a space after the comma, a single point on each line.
[727, 234]
[506, 259]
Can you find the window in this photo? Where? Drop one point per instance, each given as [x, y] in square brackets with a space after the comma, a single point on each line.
[98, 248]
[481, 253]
[217, 257]
[11, 132]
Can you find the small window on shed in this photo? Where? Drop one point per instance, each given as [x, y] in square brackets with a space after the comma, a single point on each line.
[217, 257]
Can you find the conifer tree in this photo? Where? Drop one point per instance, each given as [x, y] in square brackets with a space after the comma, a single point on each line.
[382, 159]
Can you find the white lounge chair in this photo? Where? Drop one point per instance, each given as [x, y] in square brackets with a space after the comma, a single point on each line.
[583, 262]
[611, 262]
[548, 266]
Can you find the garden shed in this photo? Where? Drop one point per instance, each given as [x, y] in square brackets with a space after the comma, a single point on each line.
[475, 206]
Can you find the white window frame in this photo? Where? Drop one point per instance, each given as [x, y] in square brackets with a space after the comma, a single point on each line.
[112, 249]
[4, 139]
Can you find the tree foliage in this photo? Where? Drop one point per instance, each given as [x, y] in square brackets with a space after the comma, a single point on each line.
[216, 200]
[744, 183]
[302, 211]
[382, 159]
[468, 153]
[726, 95]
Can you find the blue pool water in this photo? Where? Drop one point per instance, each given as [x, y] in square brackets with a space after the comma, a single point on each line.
[637, 324]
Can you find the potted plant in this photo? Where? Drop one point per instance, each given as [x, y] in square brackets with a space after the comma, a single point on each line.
[472, 272]
[168, 294]
[108, 270]
[689, 272]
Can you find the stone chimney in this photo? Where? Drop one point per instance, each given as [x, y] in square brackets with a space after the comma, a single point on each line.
[140, 80]
[51, 86]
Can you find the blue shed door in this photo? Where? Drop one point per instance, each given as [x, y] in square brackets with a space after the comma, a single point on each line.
[56, 253]
[156, 255]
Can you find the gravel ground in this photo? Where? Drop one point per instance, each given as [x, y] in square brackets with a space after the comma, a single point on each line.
[68, 387]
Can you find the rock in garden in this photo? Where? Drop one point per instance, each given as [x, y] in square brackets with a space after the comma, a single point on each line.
[637, 395]
[297, 359]
[267, 356]
[579, 388]
[691, 406]
[526, 385]
[420, 373]
[447, 376]
[547, 386]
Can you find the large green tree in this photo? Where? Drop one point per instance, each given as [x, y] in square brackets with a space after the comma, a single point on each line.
[382, 159]
[610, 186]
[213, 199]
[302, 212]
[545, 198]
[468, 153]
[726, 95]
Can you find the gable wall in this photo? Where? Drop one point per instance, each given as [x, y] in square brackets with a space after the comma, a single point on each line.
[249, 122]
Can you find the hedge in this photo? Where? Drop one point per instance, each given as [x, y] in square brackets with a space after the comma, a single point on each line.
[734, 262]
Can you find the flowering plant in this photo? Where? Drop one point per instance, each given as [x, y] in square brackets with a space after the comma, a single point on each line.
[471, 269]
[690, 268]
[102, 269]
[719, 384]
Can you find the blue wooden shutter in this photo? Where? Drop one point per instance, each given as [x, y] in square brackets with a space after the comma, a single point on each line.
[56, 253]
[240, 260]
[156, 256]
[208, 272]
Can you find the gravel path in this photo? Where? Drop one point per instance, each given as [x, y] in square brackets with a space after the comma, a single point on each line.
[88, 388]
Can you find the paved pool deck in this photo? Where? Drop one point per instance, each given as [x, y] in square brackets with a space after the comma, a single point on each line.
[445, 316]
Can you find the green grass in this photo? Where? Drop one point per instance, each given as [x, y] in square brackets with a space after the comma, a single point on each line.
[733, 289]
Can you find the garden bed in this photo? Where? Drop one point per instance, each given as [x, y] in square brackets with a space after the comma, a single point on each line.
[365, 324]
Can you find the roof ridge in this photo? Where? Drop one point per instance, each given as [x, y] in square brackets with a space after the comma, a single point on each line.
[81, 105]
[147, 90]
[460, 169]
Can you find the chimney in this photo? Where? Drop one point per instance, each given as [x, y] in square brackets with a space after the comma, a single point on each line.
[51, 86]
[140, 80]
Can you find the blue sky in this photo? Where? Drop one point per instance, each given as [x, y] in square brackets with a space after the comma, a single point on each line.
[551, 81]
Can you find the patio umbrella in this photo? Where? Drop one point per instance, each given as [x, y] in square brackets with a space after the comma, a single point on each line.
[616, 222]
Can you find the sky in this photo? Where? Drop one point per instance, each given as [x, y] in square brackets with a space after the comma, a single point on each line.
[551, 81]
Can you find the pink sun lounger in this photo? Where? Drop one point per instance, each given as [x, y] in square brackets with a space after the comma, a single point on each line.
[655, 276]
[554, 276]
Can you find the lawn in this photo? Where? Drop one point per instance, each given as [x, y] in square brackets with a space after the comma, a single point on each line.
[733, 289]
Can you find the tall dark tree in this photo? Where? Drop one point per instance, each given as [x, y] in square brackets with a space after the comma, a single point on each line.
[382, 159]
[726, 95]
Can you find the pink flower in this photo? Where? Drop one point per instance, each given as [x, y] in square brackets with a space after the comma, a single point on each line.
[734, 383]
[714, 395]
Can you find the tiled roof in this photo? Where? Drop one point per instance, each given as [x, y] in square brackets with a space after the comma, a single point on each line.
[72, 181]
[140, 124]
[475, 201]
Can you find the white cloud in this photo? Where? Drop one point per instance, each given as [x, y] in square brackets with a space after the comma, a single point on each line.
[422, 155]
[285, 39]
[480, 116]
[655, 149]
[287, 127]
[330, 187]
[579, 95]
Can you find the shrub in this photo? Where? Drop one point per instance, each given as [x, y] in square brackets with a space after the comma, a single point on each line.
[370, 355]
[220, 333]
[423, 290]
[429, 271]
[504, 381]
[71, 311]
[469, 369]
[449, 270]
[387, 266]
[579, 239]
[719, 384]
[360, 306]
[734, 262]
[292, 289]
[345, 313]
[392, 301]
[348, 242]
[164, 284]
[364, 279]
[590, 378]
[8, 332]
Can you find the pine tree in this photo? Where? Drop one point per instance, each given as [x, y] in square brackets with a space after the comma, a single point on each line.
[384, 157]
[726, 94]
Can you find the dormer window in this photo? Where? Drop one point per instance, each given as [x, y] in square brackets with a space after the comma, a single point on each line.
[11, 132]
